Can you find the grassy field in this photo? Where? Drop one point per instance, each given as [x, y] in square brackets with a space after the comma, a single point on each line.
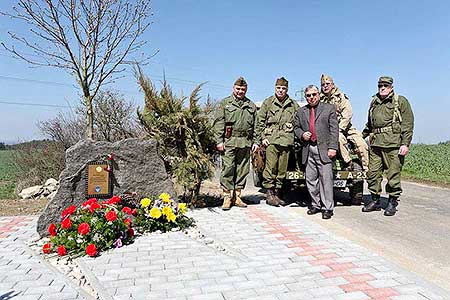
[428, 163]
[7, 175]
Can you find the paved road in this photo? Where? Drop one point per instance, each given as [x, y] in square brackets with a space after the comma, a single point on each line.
[417, 238]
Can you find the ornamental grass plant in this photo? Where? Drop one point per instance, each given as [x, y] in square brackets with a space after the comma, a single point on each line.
[98, 226]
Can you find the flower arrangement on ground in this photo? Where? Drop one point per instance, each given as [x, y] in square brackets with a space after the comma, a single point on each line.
[163, 213]
[97, 226]
[91, 228]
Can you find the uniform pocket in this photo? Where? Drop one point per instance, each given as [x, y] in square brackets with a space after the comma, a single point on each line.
[288, 127]
[268, 131]
[230, 114]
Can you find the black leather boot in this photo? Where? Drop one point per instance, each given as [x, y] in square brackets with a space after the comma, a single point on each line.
[391, 208]
[373, 205]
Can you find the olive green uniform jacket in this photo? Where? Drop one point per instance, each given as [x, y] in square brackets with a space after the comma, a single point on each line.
[240, 116]
[275, 121]
[234, 126]
[385, 131]
[388, 126]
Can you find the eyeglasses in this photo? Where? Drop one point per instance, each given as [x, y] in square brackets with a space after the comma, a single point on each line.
[383, 85]
[311, 95]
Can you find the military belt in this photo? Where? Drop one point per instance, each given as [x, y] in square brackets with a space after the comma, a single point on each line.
[240, 133]
[382, 129]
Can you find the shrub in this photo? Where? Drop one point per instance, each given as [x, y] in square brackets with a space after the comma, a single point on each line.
[184, 133]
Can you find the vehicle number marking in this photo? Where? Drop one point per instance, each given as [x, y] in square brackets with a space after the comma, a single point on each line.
[293, 175]
[340, 183]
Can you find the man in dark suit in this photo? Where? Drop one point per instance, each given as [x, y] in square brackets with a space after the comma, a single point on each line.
[316, 126]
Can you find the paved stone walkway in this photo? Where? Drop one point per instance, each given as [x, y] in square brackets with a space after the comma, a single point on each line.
[270, 253]
[260, 253]
[23, 274]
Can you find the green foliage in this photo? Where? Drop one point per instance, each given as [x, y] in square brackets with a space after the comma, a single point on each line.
[8, 175]
[428, 162]
[184, 133]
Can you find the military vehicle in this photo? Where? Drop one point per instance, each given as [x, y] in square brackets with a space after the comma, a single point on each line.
[344, 178]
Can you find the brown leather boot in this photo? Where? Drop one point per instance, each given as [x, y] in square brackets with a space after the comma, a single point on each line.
[237, 199]
[279, 195]
[272, 198]
[226, 200]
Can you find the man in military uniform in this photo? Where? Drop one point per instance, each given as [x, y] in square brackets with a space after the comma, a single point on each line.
[275, 132]
[389, 127]
[330, 93]
[233, 126]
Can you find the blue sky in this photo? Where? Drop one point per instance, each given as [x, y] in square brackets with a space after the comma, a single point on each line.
[217, 41]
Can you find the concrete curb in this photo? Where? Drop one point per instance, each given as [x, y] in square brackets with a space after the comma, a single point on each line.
[93, 281]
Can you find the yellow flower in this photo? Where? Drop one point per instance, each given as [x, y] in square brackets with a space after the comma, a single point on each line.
[145, 202]
[182, 208]
[165, 197]
[171, 217]
[155, 213]
[166, 210]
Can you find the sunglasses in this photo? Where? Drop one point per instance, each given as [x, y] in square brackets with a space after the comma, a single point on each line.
[383, 85]
[311, 95]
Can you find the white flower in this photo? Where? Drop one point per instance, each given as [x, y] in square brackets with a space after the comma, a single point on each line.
[96, 237]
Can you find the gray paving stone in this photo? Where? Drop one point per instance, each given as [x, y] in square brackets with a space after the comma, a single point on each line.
[352, 296]
[167, 286]
[211, 296]
[383, 283]
[219, 287]
[326, 291]
[239, 294]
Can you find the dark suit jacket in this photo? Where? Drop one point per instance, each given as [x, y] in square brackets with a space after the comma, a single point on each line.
[327, 129]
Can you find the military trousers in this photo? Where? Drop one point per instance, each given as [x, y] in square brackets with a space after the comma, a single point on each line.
[235, 168]
[274, 173]
[362, 150]
[385, 161]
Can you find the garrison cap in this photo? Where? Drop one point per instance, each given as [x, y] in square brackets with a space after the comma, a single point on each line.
[386, 79]
[240, 81]
[325, 77]
[282, 81]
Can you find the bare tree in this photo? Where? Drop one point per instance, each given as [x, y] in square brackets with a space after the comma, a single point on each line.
[90, 39]
[65, 128]
[115, 119]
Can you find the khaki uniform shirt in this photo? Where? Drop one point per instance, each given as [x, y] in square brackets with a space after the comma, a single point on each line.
[275, 121]
[343, 107]
[239, 115]
[394, 133]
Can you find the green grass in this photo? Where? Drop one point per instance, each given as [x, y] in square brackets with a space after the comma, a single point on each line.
[428, 163]
[8, 175]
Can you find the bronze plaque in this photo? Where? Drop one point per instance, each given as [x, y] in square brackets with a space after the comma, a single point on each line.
[98, 180]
